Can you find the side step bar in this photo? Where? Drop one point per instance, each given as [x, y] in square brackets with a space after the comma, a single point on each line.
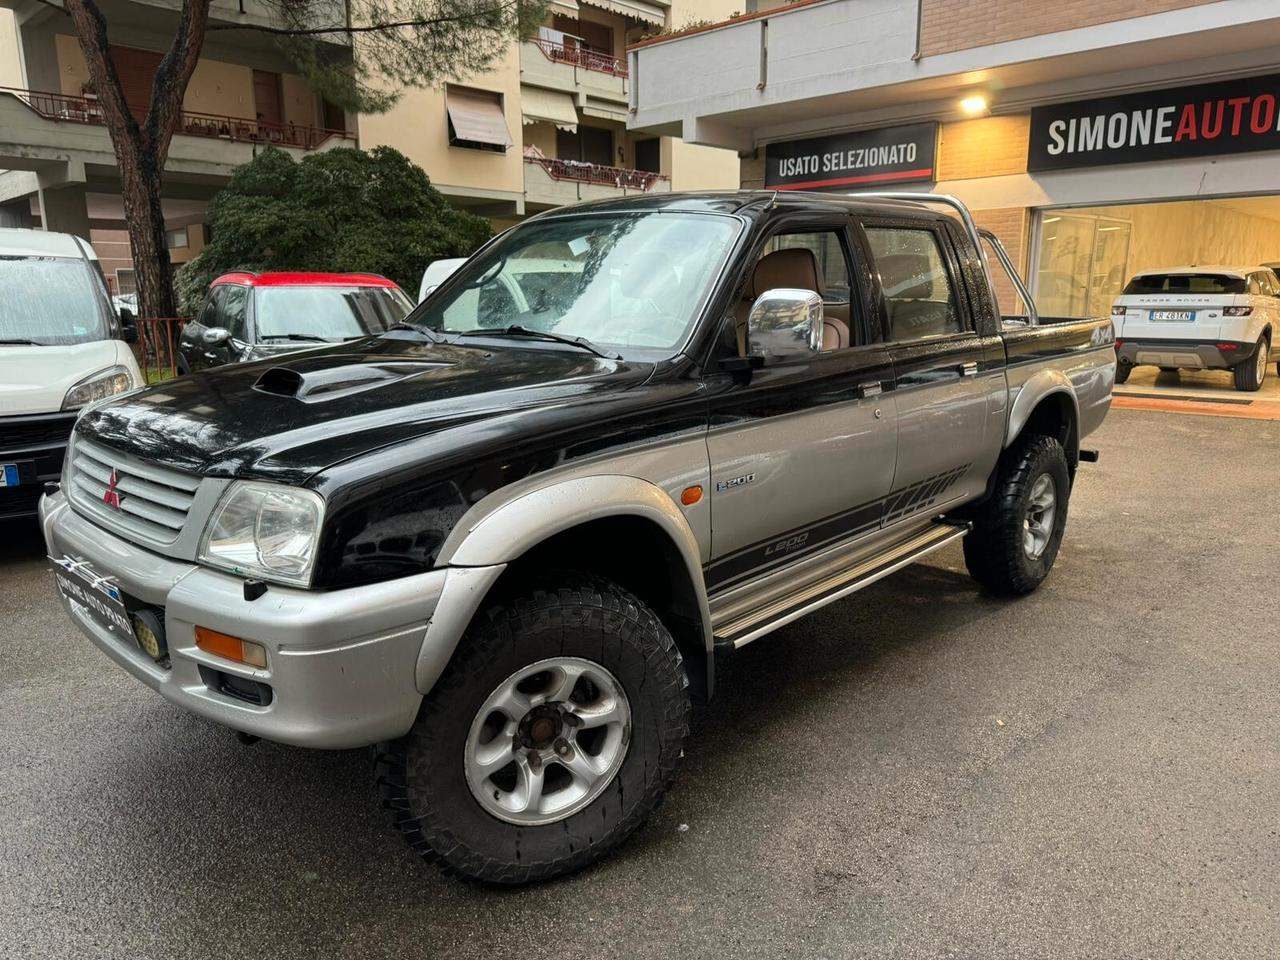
[818, 594]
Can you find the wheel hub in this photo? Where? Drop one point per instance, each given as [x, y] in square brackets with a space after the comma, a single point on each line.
[1042, 508]
[540, 727]
[547, 741]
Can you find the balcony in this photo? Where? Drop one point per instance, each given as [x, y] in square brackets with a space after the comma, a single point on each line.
[825, 64]
[553, 183]
[587, 74]
[87, 110]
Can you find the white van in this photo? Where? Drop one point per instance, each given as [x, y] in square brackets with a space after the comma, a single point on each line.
[61, 348]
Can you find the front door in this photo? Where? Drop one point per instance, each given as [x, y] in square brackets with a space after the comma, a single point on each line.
[948, 378]
[802, 451]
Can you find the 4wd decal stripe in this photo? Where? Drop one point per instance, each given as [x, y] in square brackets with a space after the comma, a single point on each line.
[761, 557]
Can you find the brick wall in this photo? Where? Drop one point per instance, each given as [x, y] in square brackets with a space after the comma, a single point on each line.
[989, 147]
[949, 25]
[1011, 225]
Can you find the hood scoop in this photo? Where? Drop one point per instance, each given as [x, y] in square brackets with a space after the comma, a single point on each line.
[332, 383]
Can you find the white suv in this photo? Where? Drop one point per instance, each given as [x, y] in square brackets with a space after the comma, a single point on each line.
[1205, 318]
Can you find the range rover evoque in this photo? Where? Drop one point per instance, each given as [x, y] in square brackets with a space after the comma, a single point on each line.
[505, 542]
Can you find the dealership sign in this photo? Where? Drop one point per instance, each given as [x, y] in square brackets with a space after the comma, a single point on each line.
[1233, 116]
[865, 158]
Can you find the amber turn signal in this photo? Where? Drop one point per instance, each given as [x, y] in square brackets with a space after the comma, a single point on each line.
[232, 648]
[691, 495]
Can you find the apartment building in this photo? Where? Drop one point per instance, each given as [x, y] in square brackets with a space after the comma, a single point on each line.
[1095, 137]
[546, 127]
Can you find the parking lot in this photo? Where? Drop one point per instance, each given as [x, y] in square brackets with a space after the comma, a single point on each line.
[918, 771]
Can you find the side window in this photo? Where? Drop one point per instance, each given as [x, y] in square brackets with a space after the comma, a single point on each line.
[918, 294]
[813, 260]
[235, 301]
[208, 315]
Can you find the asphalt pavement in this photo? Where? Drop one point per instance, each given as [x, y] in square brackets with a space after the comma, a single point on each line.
[918, 771]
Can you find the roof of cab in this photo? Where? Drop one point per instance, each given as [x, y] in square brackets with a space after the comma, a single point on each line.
[298, 279]
[746, 202]
[20, 242]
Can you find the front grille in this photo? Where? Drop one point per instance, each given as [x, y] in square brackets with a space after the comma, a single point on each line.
[153, 501]
[19, 434]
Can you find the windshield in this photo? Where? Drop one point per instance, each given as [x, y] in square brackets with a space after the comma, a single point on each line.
[621, 280]
[332, 313]
[51, 300]
[1185, 283]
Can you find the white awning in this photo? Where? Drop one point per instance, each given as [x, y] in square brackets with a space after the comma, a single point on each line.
[548, 106]
[594, 108]
[477, 116]
[568, 7]
[635, 9]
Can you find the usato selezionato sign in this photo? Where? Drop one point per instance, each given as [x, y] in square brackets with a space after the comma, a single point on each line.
[864, 158]
[1233, 116]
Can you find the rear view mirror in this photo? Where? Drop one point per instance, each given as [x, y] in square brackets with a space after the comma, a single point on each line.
[128, 326]
[216, 336]
[785, 323]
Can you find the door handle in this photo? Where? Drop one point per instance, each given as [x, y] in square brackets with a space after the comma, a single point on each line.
[872, 388]
[969, 369]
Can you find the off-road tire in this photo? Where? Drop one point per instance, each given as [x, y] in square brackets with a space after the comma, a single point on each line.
[1122, 371]
[1249, 375]
[421, 776]
[993, 550]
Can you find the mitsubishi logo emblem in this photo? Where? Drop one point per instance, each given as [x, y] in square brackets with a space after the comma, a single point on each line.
[112, 497]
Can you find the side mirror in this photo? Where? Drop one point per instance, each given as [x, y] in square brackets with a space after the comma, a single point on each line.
[215, 336]
[785, 323]
[128, 326]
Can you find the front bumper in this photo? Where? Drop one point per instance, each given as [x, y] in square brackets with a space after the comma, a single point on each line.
[1193, 354]
[38, 443]
[340, 664]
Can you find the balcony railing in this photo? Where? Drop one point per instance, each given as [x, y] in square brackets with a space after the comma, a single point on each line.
[597, 173]
[87, 110]
[579, 56]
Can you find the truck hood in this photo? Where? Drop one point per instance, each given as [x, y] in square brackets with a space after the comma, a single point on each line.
[287, 418]
[36, 379]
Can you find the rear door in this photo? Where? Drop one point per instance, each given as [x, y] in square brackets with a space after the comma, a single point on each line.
[1179, 306]
[949, 382]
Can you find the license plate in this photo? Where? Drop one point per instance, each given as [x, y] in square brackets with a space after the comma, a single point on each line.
[9, 475]
[96, 595]
[1174, 316]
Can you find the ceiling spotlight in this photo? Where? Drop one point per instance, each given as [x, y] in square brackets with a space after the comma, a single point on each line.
[975, 105]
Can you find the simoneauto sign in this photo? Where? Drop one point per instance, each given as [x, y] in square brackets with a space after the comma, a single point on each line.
[1233, 116]
[888, 155]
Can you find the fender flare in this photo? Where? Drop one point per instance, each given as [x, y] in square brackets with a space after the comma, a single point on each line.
[1044, 383]
[478, 551]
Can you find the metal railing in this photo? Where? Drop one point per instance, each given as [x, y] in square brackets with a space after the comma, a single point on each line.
[158, 347]
[87, 110]
[597, 173]
[579, 56]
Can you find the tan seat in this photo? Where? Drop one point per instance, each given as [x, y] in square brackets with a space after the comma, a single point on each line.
[909, 291]
[793, 268]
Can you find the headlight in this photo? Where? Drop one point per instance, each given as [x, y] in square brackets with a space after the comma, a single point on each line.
[265, 530]
[99, 386]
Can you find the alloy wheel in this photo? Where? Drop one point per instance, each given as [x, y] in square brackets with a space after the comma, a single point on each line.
[1042, 507]
[547, 741]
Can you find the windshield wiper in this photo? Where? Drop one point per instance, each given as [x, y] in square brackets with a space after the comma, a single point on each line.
[308, 337]
[416, 328]
[20, 342]
[515, 330]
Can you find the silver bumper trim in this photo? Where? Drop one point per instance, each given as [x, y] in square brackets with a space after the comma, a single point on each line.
[342, 664]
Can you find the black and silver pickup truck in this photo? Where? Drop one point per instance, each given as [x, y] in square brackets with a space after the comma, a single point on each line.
[505, 541]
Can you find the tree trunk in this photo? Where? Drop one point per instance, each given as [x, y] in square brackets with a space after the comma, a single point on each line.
[142, 148]
[152, 271]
